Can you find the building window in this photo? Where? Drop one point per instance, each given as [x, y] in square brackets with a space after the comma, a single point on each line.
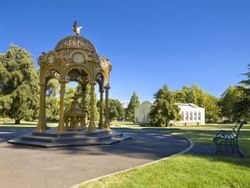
[195, 116]
[186, 116]
[191, 116]
[199, 116]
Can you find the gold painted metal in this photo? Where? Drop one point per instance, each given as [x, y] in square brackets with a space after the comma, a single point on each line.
[74, 59]
[92, 127]
[101, 126]
[74, 118]
[107, 118]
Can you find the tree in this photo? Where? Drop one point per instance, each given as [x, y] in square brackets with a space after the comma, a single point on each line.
[115, 109]
[198, 96]
[179, 96]
[242, 108]
[69, 93]
[53, 87]
[52, 100]
[18, 84]
[164, 109]
[133, 104]
[86, 107]
[212, 109]
[52, 108]
[229, 100]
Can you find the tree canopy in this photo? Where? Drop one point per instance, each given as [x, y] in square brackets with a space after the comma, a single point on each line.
[133, 104]
[52, 100]
[229, 100]
[116, 110]
[18, 85]
[163, 109]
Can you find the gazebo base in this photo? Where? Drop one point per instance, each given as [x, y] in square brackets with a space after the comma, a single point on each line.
[50, 138]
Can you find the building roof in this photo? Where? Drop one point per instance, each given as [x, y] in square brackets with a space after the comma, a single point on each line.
[188, 106]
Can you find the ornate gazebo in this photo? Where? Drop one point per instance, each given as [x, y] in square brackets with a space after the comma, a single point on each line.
[75, 59]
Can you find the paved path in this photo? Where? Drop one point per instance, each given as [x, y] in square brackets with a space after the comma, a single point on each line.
[31, 167]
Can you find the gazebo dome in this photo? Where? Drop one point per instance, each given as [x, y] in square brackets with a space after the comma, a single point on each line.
[75, 42]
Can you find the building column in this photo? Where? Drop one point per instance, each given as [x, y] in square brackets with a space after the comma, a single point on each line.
[61, 127]
[92, 127]
[41, 126]
[107, 115]
[101, 109]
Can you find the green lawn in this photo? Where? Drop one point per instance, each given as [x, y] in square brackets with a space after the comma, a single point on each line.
[188, 170]
[205, 134]
[183, 171]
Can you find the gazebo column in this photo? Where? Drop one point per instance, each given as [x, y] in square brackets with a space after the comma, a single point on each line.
[101, 109]
[107, 121]
[41, 126]
[83, 124]
[92, 127]
[61, 127]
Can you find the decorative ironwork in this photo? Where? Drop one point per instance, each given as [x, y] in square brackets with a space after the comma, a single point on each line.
[52, 73]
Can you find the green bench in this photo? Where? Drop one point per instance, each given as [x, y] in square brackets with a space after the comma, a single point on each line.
[229, 139]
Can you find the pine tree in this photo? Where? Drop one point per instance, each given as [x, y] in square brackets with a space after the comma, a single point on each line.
[19, 91]
[133, 104]
[164, 109]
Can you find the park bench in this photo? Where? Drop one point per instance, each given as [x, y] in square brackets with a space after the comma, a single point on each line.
[229, 139]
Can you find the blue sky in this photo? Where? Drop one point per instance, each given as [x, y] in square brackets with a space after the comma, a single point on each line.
[149, 42]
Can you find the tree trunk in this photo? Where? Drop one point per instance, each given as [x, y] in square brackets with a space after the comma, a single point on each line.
[17, 121]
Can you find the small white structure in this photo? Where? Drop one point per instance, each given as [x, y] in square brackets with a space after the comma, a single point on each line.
[142, 112]
[191, 114]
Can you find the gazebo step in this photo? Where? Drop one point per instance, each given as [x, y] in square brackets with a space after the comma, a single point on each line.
[38, 138]
[82, 138]
[58, 139]
[54, 133]
[67, 144]
[50, 138]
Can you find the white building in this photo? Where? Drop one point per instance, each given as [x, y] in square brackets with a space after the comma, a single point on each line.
[191, 114]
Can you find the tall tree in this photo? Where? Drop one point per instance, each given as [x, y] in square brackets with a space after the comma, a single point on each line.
[18, 84]
[229, 100]
[115, 109]
[212, 109]
[133, 104]
[164, 108]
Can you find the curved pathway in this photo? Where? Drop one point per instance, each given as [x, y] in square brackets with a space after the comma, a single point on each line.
[23, 166]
